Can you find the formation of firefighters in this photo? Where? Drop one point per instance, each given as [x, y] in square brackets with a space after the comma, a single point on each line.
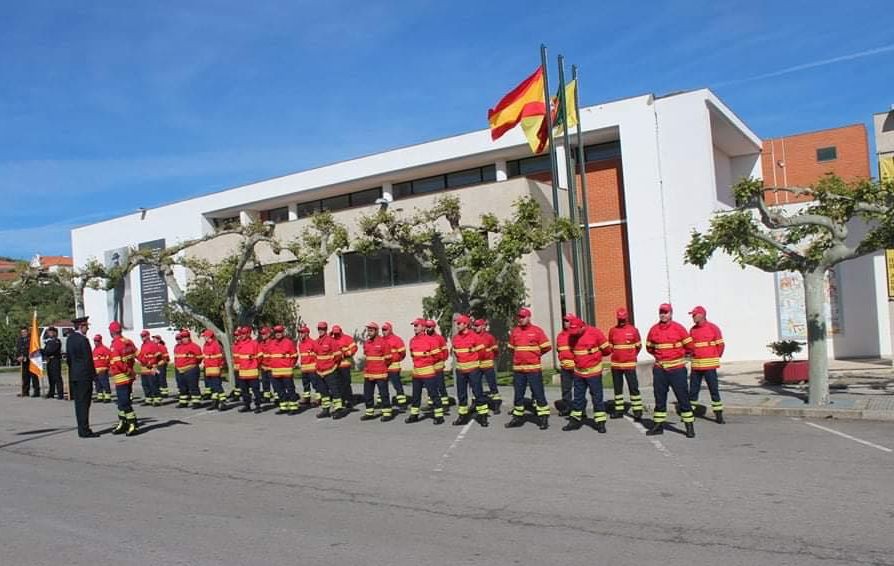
[265, 370]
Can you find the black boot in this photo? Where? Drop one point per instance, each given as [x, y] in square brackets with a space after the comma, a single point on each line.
[340, 413]
[214, 405]
[245, 409]
[368, 417]
[324, 414]
[482, 419]
[462, 419]
[573, 424]
[543, 422]
[600, 427]
[387, 417]
[616, 414]
[637, 416]
[657, 428]
[690, 430]
[132, 429]
[515, 422]
[718, 416]
[412, 419]
[438, 420]
[221, 405]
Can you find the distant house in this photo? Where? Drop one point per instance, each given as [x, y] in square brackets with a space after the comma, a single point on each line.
[8, 270]
[52, 263]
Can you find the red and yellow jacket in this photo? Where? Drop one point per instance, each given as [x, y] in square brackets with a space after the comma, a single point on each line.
[626, 344]
[424, 351]
[528, 345]
[280, 357]
[467, 348]
[212, 357]
[563, 348]
[669, 342]
[123, 356]
[443, 351]
[165, 355]
[187, 356]
[149, 357]
[588, 349]
[307, 358]
[348, 349]
[378, 358]
[327, 354]
[398, 351]
[707, 346]
[262, 353]
[101, 356]
[246, 356]
[488, 354]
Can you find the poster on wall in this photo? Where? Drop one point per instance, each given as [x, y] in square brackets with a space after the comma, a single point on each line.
[118, 300]
[790, 315]
[153, 291]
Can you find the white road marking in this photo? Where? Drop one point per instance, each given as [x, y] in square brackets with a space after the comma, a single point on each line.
[847, 436]
[655, 442]
[453, 445]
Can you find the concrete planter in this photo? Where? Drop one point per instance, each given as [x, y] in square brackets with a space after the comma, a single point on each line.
[780, 373]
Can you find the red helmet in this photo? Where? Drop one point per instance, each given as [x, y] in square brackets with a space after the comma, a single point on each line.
[144, 334]
[183, 334]
[208, 333]
[97, 338]
[463, 319]
[303, 329]
[279, 328]
[430, 323]
[372, 325]
[336, 329]
[265, 330]
[114, 326]
[386, 326]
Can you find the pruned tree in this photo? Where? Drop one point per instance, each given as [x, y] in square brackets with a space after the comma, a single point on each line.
[306, 254]
[809, 238]
[477, 266]
[92, 275]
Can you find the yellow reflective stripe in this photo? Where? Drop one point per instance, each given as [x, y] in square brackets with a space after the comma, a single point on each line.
[487, 364]
[325, 357]
[324, 373]
[464, 350]
[417, 353]
[718, 341]
[702, 344]
[184, 368]
[527, 348]
[308, 367]
[567, 364]
[277, 355]
[687, 340]
[625, 346]
[589, 372]
[527, 367]
[670, 363]
[116, 359]
[545, 345]
[281, 371]
[120, 378]
[623, 365]
[563, 348]
[394, 365]
[667, 345]
[375, 375]
[466, 365]
[375, 358]
[705, 362]
[424, 371]
[212, 372]
[248, 373]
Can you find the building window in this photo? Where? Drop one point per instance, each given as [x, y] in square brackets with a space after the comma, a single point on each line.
[452, 180]
[602, 151]
[275, 215]
[827, 154]
[365, 198]
[304, 285]
[384, 268]
[305, 209]
[336, 203]
[225, 223]
[528, 166]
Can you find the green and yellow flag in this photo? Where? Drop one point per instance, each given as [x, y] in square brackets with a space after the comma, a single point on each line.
[566, 116]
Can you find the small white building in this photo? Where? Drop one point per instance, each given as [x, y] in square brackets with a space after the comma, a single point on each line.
[657, 167]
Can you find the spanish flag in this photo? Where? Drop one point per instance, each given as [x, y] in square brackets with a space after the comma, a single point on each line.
[35, 358]
[513, 107]
[533, 123]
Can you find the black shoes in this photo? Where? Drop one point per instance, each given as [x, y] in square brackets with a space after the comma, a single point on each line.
[438, 420]
[121, 428]
[388, 417]
[462, 419]
[245, 409]
[543, 422]
[368, 417]
[515, 422]
[482, 419]
[600, 427]
[657, 428]
[617, 414]
[718, 416]
[690, 430]
[324, 414]
[637, 416]
[573, 424]
[88, 434]
[412, 419]
[340, 413]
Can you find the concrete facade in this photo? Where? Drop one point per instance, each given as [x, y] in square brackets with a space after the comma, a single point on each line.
[678, 157]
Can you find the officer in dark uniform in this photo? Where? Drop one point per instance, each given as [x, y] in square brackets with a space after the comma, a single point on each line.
[29, 380]
[52, 353]
[81, 373]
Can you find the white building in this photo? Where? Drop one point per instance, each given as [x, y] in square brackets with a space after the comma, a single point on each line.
[657, 168]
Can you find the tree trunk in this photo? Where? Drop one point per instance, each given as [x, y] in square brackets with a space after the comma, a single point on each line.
[817, 352]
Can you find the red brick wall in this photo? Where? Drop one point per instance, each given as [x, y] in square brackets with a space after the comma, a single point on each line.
[801, 169]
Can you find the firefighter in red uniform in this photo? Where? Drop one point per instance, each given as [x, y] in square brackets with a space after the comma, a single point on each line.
[327, 355]
[101, 357]
[162, 376]
[377, 351]
[348, 349]
[487, 357]
[187, 356]
[213, 360]
[528, 343]
[707, 349]
[247, 357]
[566, 365]
[263, 339]
[121, 369]
[668, 342]
[588, 348]
[280, 358]
[307, 365]
[398, 353]
[467, 348]
[149, 356]
[425, 352]
[626, 344]
[431, 329]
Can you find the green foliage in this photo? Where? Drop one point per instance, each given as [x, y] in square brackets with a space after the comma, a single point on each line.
[785, 349]
[18, 301]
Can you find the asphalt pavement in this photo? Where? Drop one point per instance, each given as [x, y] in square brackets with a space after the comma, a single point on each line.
[199, 487]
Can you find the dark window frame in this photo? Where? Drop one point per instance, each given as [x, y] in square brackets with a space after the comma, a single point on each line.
[373, 281]
[485, 174]
[282, 213]
[301, 280]
[823, 153]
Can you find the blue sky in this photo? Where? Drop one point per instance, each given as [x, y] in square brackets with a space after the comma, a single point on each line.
[110, 106]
